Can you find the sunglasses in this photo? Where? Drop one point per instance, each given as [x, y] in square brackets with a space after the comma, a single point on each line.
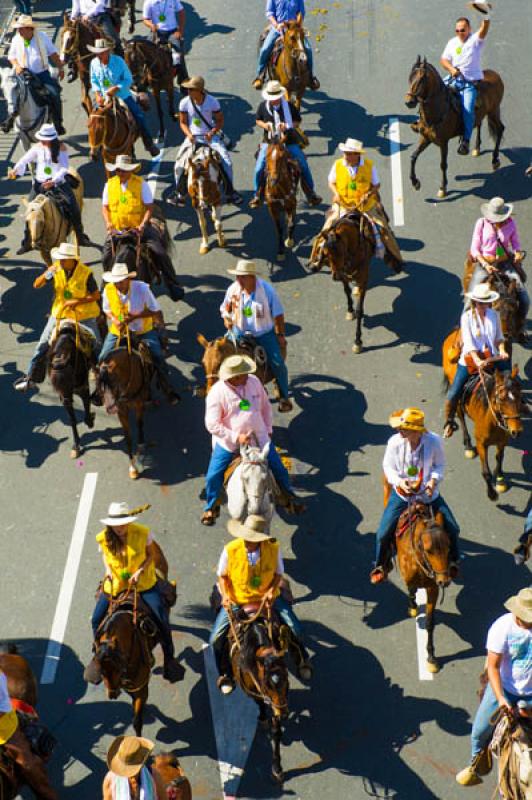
[461, 30]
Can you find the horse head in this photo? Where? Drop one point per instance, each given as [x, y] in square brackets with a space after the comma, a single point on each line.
[433, 549]
[276, 160]
[62, 348]
[96, 125]
[334, 253]
[134, 59]
[263, 652]
[508, 400]
[422, 81]
[255, 473]
[294, 39]
[110, 660]
[507, 305]
[35, 220]
[69, 37]
[215, 352]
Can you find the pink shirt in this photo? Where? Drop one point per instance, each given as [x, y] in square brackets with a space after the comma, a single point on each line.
[485, 237]
[226, 420]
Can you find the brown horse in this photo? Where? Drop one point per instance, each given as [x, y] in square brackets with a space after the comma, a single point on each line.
[151, 66]
[76, 35]
[282, 178]
[290, 67]
[440, 115]
[205, 184]
[507, 305]
[112, 131]
[494, 406]
[176, 782]
[221, 348]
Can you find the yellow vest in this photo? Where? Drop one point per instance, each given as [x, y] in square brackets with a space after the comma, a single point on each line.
[244, 578]
[75, 286]
[8, 726]
[126, 208]
[119, 310]
[351, 190]
[137, 536]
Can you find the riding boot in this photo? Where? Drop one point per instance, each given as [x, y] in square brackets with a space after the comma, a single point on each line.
[450, 425]
[165, 385]
[383, 564]
[180, 195]
[257, 198]
[463, 147]
[150, 145]
[72, 71]
[222, 657]
[81, 237]
[232, 196]
[313, 199]
[301, 657]
[25, 245]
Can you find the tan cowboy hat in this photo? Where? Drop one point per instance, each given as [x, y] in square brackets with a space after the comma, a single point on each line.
[351, 146]
[128, 754]
[496, 210]
[123, 162]
[194, 82]
[118, 514]
[244, 267]
[119, 272]
[409, 419]
[101, 46]
[252, 530]
[482, 293]
[233, 366]
[273, 91]
[521, 605]
[65, 251]
[47, 132]
[24, 21]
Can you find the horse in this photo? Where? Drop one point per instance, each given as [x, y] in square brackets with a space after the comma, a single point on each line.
[176, 782]
[205, 185]
[68, 368]
[30, 115]
[494, 405]
[507, 305]
[76, 35]
[221, 348]
[289, 65]
[112, 131]
[440, 115]
[250, 487]
[511, 744]
[282, 178]
[152, 68]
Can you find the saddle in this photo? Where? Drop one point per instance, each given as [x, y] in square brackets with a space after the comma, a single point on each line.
[125, 603]
[409, 517]
[41, 741]
[249, 346]
[277, 48]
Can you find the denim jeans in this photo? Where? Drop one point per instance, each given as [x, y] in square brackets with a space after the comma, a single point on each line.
[528, 528]
[42, 345]
[270, 343]
[395, 507]
[468, 94]
[219, 147]
[267, 48]
[220, 460]
[151, 339]
[482, 727]
[139, 116]
[296, 152]
[106, 23]
[462, 374]
[283, 608]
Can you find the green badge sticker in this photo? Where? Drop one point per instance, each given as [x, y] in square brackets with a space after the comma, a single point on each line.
[123, 198]
[244, 405]
[353, 185]
[125, 574]
[67, 294]
[499, 251]
[48, 170]
[255, 581]
[458, 51]
[248, 311]
[27, 42]
[106, 82]
[196, 121]
[120, 317]
[162, 17]
[412, 471]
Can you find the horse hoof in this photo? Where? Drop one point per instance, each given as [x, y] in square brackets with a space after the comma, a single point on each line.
[204, 249]
[475, 153]
[433, 666]
[221, 242]
[412, 612]
[495, 165]
[349, 316]
[278, 776]
[417, 185]
[469, 453]
[89, 422]
[492, 494]
[501, 486]
[289, 242]
[356, 291]
[442, 193]
[357, 348]
[133, 473]
[75, 452]
[281, 257]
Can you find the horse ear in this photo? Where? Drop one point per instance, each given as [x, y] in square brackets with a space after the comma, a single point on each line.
[425, 61]
[202, 340]
[515, 371]
[418, 60]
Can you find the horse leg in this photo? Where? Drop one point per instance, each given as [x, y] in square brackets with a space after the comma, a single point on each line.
[204, 246]
[476, 150]
[422, 145]
[444, 150]
[157, 94]
[89, 415]
[275, 212]
[216, 213]
[132, 18]
[432, 598]
[486, 472]
[496, 125]
[123, 416]
[412, 605]
[347, 290]
[68, 403]
[139, 701]
[359, 316]
[141, 447]
[469, 450]
[276, 733]
[290, 227]
[500, 481]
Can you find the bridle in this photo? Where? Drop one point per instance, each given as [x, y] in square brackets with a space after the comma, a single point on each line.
[102, 115]
[418, 83]
[106, 650]
[499, 417]
[419, 551]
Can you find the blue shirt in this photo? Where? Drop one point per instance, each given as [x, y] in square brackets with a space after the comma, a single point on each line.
[115, 73]
[285, 10]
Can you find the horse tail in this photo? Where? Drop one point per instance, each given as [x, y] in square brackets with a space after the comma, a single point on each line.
[494, 126]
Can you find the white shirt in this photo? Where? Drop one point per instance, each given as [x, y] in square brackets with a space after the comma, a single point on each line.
[33, 57]
[208, 108]
[253, 560]
[515, 645]
[353, 169]
[169, 9]
[46, 169]
[146, 193]
[428, 458]
[88, 8]
[480, 334]
[5, 702]
[466, 56]
[138, 298]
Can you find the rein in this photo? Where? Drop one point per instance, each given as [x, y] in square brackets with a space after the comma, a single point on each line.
[420, 555]
[498, 416]
[114, 610]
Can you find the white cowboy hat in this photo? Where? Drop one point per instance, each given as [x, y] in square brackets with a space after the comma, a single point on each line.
[123, 162]
[24, 21]
[101, 46]
[119, 272]
[233, 366]
[482, 293]
[128, 754]
[483, 8]
[65, 251]
[351, 146]
[252, 530]
[521, 605]
[244, 267]
[118, 514]
[194, 82]
[496, 210]
[273, 91]
[46, 133]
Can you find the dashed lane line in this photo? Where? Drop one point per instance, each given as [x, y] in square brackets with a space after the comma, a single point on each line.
[397, 173]
[421, 636]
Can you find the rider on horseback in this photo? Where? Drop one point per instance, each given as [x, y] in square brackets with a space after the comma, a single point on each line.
[32, 50]
[249, 571]
[110, 78]
[98, 14]
[201, 119]
[238, 412]
[413, 465]
[130, 775]
[50, 177]
[251, 306]
[278, 13]
[462, 60]
[166, 20]
[76, 297]
[278, 117]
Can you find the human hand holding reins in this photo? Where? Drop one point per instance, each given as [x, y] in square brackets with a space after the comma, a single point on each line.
[244, 438]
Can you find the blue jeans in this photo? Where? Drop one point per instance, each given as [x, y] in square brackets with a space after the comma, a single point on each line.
[482, 727]
[267, 48]
[296, 152]
[151, 339]
[395, 507]
[462, 374]
[468, 94]
[23, 6]
[220, 460]
[139, 116]
[528, 528]
[270, 343]
[42, 345]
[284, 609]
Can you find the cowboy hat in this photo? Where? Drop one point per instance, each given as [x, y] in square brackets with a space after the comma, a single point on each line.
[252, 530]
[123, 162]
[65, 251]
[119, 272]
[483, 8]
[482, 293]
[118, 514]
[24, 21]
[233, 366]
[194, 82]
[351, 146]
[496, 210]
[273, 91]
[244, 267]
[46, 133]
[521, 605]
[408, 419]
[101, 46]
[128, 754]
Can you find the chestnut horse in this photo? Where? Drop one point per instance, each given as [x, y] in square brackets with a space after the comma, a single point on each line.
[494, 406]
[76, 35]
[205, 185]
[176, 782]
[291, 66]
[221, 348]
[282, 178]
[440, 115]
[152, 68]
[112, 131]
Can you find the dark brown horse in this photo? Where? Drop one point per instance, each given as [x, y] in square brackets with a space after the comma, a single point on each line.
[291, 66]
[152, 68]
[282, 178]
[112, 131]
[440, 115]
[219, 349]
[176, 782]
[76, 35]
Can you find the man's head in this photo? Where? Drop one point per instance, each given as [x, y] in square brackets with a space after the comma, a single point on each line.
[273, 93]
[123, 166]
[462, 28]
[246, 274]
[102, 49]
[69, 264]
[352, 150]
[25, 27]
[247, 282]
[26, 32]
[352, 159]
[410, 423]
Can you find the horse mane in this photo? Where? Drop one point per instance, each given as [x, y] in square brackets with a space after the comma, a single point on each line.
[423, 63]
[254, 637]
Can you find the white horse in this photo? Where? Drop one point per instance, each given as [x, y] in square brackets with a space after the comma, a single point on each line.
[205, 189]
[251, 486]
[30, 116]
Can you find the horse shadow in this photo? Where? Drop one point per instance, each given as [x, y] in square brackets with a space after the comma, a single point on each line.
[509, 181]
[308, 225]
[21, 303]
[198, 27]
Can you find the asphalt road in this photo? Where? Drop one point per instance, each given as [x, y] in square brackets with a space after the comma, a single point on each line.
[368, 726]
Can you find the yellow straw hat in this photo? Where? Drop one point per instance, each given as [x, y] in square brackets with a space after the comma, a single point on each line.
[410, 419]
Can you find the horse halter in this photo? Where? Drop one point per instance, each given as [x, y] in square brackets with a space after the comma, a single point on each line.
[419, 551]
[498, 415]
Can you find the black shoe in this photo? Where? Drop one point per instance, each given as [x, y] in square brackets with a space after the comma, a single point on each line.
[173, 398]
[520, 555]
[463, 148]
[61, 130]
[152, 149]
[24, 384]
[83, 240]
[176, 199]
[173, 671]
[314, 83]
[314, 199]
[225, 684]
[255, 201]
[96, 399]
[235, 198]
[7, 124]
[72, 74]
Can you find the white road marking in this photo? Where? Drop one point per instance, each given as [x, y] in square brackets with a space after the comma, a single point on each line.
[421, 637]
[155, 168]
[234, 718]
[62, 610]
[397, 173]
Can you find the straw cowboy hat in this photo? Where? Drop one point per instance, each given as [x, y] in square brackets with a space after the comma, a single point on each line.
[351, 146]
[521, 605]
[482, 293]
[496, 210]
[123, 162]
[244, 267]
[46, 133]
[273, 91]
[409, 419]
[101, 46]
[234, 366]
[252, 530]
[24, 21]
[118, 514]
[119, 272]
[194, 82]
[128, 754]
[65, 251]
